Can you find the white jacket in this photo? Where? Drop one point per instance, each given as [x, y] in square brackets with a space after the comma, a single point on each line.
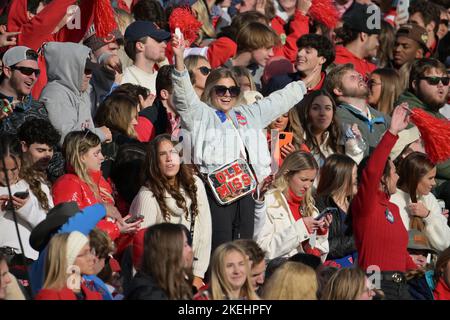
[214, 140]
[28, 217]
[281, 235]
[145, 203]
[436, 228]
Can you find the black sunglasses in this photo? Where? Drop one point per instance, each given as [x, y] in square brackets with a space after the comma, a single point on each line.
[27, 71]
[204, 70]
[222, 90]
[444, 21]
[434, 81]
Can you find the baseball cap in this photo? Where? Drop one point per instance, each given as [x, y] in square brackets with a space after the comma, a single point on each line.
[417, 240]
[360, 17]
[96, 43]
[405, 138]
[140, 29]
[414, 32]
[18, 54]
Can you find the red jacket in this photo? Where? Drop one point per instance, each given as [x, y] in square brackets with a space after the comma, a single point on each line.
[343, 55]
[298, 27]
[39, 30]
[67, 294]
[70, 187]
[380, 241]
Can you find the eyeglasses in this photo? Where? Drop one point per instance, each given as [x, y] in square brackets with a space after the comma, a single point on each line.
[27, 71]
[220, 91]
[434, 81]
[204, 70]
[372, 83]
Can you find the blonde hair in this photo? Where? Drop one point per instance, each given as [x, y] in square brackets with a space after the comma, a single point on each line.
[56, 263]
[77, 144]
[211, 81]
[294, 163]
[202, 14]
[292, 281]
[345, 284]
[219, 286]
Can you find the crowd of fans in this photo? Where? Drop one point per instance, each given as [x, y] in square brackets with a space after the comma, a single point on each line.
[210, 150]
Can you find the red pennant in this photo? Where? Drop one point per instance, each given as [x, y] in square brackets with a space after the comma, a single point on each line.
[435, 134]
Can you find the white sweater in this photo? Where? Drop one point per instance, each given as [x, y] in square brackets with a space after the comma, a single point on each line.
[28, 217]
[436, 228]
[145, 203]
[137, 76]
[279, 235]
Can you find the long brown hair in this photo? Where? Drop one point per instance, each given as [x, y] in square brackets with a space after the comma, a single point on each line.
[35, 178]
[391, 89]
[336, 176]
[296, 162]
[158, 184]
[303, 108]
[163, 260]
[411, 170]
[345, 284]
[441, 264]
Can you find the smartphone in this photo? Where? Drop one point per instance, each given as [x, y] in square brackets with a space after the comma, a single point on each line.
[284, 138]
[21, 194]
[402, 7]
[325, 212]
[134, 219]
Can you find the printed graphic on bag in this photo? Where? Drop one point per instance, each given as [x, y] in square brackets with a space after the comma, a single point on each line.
[232, 181]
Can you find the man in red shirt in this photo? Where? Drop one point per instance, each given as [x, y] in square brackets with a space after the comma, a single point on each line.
[359, 36]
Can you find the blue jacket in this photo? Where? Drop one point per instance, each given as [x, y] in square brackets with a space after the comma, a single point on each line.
[84, 221]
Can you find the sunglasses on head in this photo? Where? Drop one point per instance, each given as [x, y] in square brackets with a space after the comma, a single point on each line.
[27, 71]
[204, 70]
[434, 81]
[220, 91]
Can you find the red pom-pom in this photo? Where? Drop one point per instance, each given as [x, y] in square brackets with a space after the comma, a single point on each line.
[183, 18]
[324, 12]
[104, 20]
[435, 134]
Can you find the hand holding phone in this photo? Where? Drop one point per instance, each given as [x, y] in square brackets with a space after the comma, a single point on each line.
[325, 212]
[22, 194]
[134, 219]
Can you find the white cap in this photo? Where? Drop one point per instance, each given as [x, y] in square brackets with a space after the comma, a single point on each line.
[405, 137]
[75, 243]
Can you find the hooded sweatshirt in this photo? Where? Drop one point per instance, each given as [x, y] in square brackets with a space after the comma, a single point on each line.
[68, 108]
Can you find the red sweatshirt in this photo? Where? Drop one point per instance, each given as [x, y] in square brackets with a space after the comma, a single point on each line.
[67, 294]
[39, 30]
[380, 235]
[343, 55]
[298, 27]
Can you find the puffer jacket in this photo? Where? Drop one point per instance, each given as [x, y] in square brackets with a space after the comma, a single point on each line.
[214, 139]
[70, 187]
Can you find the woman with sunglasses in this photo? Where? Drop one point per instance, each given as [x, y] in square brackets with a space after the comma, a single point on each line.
[199, 69]
[222, 133]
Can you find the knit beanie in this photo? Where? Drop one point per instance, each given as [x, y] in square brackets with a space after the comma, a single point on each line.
[75, 243]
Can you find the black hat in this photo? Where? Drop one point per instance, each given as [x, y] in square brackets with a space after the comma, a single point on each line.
[141, 29]
[56, 217]
[362, 18]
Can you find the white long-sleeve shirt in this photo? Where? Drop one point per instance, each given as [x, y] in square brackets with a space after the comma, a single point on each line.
[145, 204]
[28, 217]
[436, 228]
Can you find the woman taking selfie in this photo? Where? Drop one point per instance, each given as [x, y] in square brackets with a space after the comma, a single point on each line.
[222, 134]
[290, 224]
[171, 193]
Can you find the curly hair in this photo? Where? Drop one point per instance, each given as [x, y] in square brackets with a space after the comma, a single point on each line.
[158, 184]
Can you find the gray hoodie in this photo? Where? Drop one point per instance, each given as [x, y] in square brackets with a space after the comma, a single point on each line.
[69, 109]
